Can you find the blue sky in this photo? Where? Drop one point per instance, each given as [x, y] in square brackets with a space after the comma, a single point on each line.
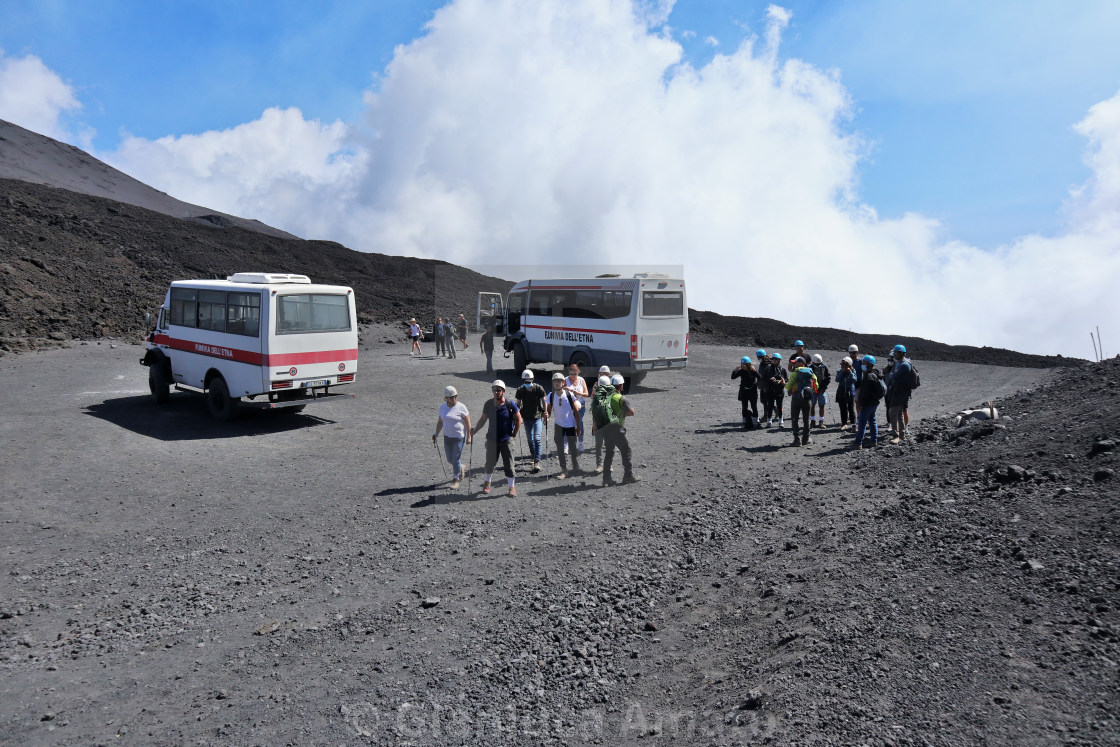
[932, 125]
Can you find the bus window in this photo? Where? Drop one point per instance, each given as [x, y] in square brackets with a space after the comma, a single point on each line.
[243, 314]
[540, 303]
[298, 313]
[616, 304]
[514, 311]
[662, 303]
[184, 307]
[212, 310]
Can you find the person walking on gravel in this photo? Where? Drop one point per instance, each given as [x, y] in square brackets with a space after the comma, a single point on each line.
[846, 394]
[869, 395]
[449, 338]
[530, 398]
[505, 422]
[857, 370]
[461, 328]
[455, 422]
[748, 377]
[820, 399]
[609, 412]
[437, 333]
[563, 408]
[802, 387]
[773, 378]
[486, 347]
[578, 387]
[900, 385]
[603, 371]
[414, 335]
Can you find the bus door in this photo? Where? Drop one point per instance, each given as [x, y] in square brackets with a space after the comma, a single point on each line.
[491, 312]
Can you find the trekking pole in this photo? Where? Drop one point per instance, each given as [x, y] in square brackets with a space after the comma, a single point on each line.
[440, 458]
[470, 467]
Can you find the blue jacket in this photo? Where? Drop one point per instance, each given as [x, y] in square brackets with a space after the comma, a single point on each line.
[845, 383]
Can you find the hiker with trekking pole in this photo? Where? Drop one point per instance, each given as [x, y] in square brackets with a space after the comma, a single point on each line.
[504, 420]
[455, 422]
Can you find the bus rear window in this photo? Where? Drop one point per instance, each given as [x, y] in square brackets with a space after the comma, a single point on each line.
[662, 304]
[301, 313]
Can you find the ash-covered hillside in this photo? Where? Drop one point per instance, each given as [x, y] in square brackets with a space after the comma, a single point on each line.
[81, 267]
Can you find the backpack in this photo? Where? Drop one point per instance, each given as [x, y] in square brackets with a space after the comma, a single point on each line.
[878, 388]
[806, 385]
[602, 409]
[915, 379]
[824, 378]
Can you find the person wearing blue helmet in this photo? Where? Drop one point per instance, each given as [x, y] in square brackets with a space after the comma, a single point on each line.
[799, 351]
[748, 391]
[869, 394]
[773, 379]
[899, 388]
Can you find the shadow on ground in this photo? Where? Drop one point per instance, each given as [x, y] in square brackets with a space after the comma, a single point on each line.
[186, 418]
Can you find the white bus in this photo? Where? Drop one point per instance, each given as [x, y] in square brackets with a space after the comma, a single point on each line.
[634, 325]
[263, 340]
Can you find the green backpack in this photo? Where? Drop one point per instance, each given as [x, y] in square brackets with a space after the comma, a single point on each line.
[601, 407]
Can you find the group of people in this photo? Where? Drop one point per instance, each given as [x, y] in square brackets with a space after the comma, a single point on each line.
[534, 406]
[444, 333]
[860, 388]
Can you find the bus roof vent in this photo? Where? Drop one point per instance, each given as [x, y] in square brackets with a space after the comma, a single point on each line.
[650, 275]
[606, 275]
[264, 278]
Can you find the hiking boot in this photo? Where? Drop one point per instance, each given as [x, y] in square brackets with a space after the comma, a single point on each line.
[796, 441]
[536, 466]
[513, 491]
[486, 488]
[561, 475]
[598, 468]
[608, 481]
[455, 483]
[630, 478]
[806, 441]
[781, 422]
[895, 440]
[769, 422]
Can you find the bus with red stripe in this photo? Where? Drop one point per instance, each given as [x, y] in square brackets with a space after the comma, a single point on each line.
[265, 340]
[634, 325]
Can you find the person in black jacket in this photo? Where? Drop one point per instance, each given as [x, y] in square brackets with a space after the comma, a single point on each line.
[773, 378]
[868, 395]
[748, 391]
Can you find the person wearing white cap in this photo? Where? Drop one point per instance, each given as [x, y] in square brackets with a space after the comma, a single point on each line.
[455, 422]
[611, 412]
[598, 435]
[414, 335]
[563, 408]
[505, 422]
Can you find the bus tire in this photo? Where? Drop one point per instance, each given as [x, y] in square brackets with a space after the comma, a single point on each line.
[222, 406]
[635, 379]
[159, 383]
[520, 357]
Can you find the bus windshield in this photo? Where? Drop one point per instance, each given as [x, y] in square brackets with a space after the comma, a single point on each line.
[655, 303]
[302, 313]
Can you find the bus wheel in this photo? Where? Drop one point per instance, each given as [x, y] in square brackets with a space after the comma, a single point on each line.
[158, 382]
[222, 406]
[520, 357]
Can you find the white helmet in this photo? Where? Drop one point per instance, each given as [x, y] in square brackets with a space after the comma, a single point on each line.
[617, 380]
[450, 391]
[853, 349]
[604, 381]
[499, 383]
[847, 360]
[818, 359]
[526, 375]
[604, 369]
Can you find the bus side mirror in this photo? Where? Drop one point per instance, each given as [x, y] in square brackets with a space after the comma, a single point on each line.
[147, 318]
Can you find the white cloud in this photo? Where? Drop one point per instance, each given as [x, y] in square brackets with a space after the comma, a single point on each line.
[573, 132]
[35, 97]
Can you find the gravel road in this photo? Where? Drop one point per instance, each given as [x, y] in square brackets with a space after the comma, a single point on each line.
[309, 579]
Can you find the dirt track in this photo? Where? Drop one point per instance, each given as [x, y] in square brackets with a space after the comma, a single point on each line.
[171, 580]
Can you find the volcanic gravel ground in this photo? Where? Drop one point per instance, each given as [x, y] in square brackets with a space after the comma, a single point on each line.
[309, 579]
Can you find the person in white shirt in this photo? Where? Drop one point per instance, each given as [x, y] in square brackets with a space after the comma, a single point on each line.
[455, 422]
[565, 410]
[578, 388]
[414, 335]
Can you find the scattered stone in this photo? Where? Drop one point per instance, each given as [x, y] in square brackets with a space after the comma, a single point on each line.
[1103, 474]
[429, 602]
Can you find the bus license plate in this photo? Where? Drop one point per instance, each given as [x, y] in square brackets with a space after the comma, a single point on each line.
[319, 382]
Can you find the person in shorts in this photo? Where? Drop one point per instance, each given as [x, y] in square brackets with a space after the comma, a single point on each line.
[564, 408]
[504, 420]
[414, 335]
